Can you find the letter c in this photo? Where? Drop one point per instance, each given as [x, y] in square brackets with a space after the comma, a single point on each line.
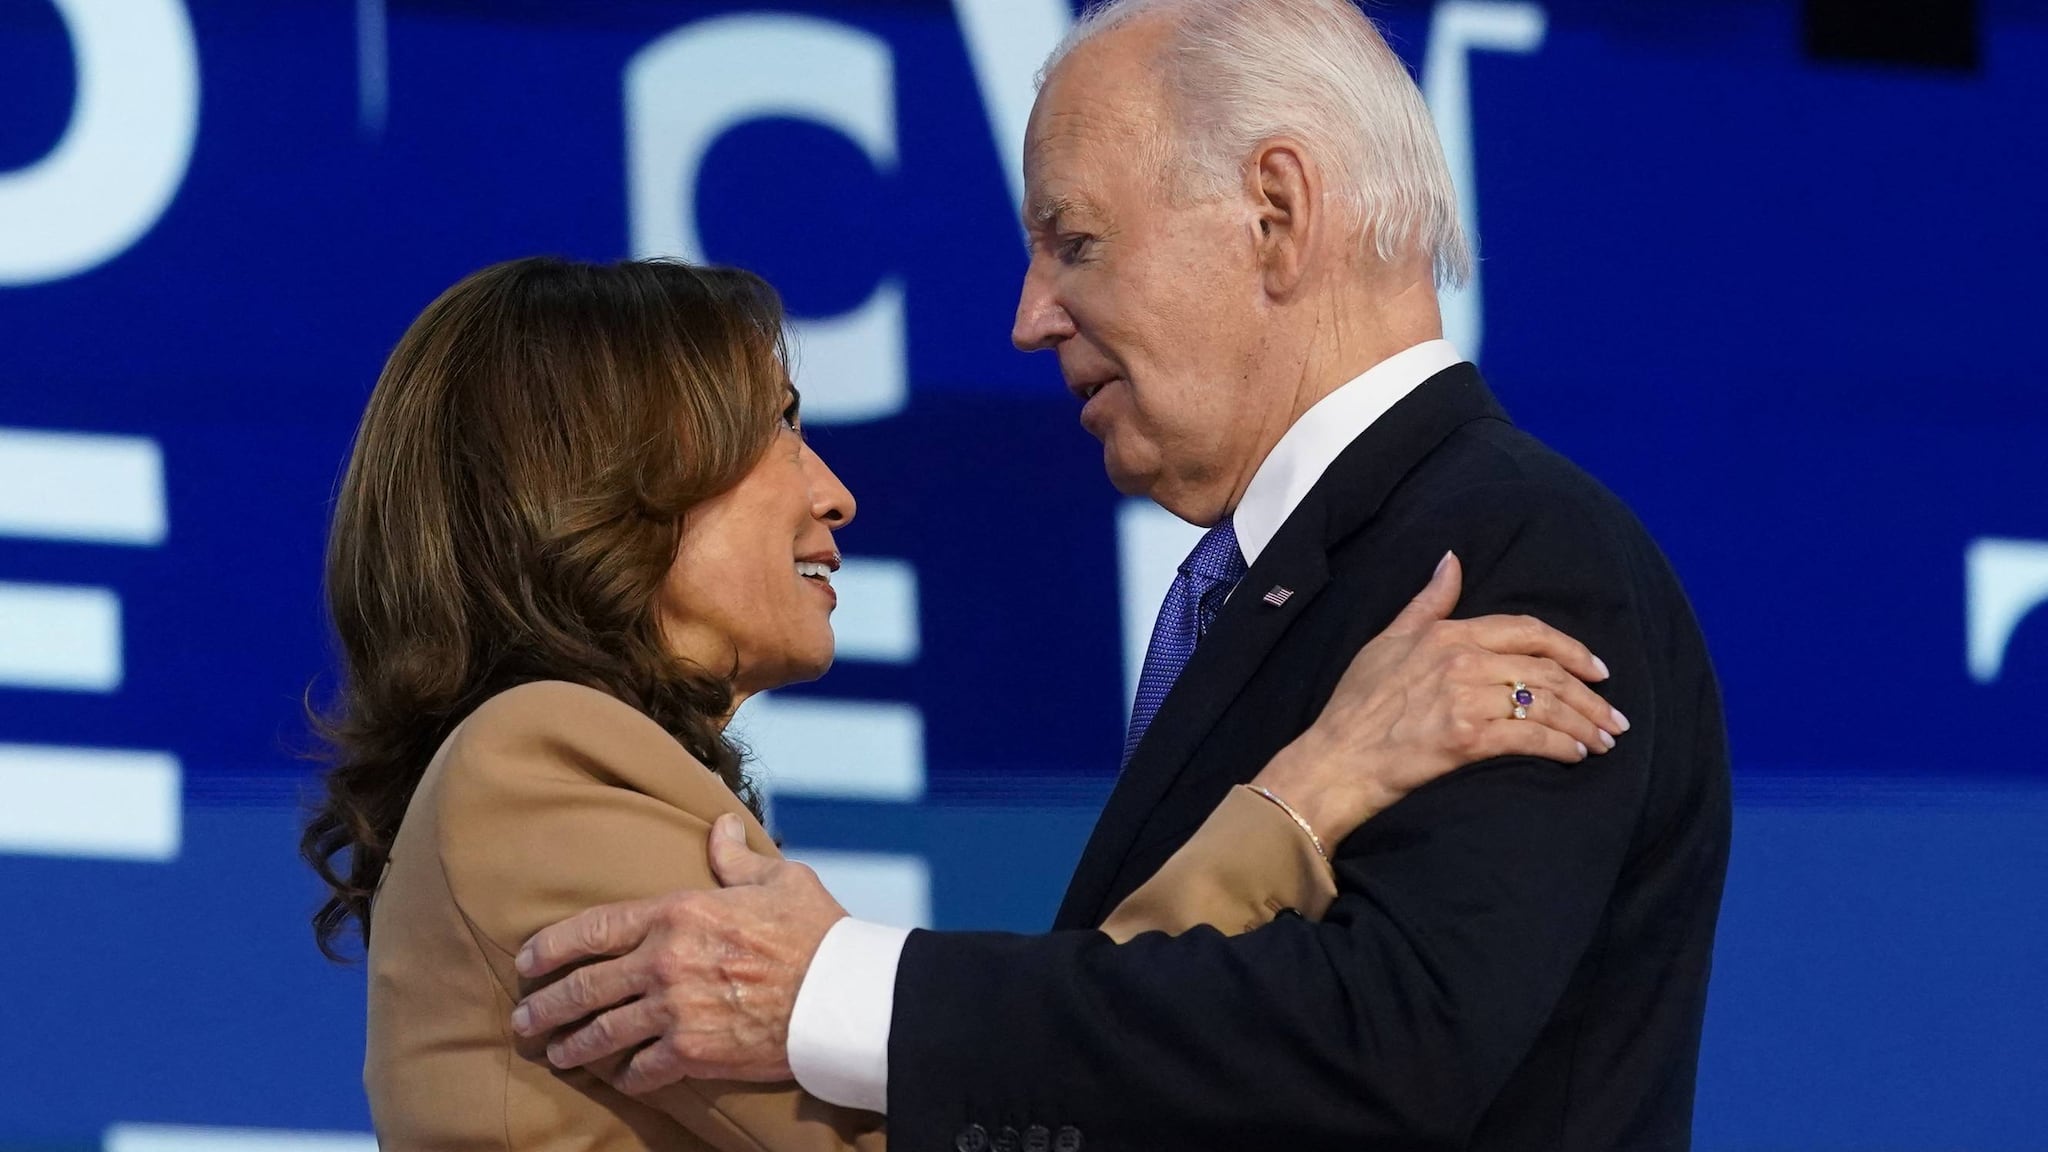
[689, 87]
[2007, 580]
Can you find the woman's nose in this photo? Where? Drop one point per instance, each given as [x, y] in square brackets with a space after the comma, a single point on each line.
[830, 500]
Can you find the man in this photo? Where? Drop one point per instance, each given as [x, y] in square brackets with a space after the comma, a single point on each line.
[1240, 216]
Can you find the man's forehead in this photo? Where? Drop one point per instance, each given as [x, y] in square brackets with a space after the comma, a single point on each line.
[1061, 132]
[1069, 157]
[1094, 116]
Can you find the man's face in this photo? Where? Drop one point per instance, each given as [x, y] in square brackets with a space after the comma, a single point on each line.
[1150, 304]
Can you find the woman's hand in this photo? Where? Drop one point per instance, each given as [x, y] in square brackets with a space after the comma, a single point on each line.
[1431, 694]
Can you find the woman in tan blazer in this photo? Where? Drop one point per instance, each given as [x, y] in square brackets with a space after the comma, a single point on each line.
[579, 526]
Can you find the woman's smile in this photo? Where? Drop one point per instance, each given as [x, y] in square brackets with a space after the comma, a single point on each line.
[817, 570]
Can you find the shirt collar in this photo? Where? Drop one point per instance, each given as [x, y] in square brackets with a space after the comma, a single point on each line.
[1325, 430]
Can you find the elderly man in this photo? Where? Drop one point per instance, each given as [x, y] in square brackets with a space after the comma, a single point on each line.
[1240, 216]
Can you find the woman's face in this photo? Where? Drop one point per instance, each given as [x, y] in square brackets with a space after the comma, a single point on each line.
[751, 584]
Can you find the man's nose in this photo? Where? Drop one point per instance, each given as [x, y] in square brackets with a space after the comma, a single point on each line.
[1041, 321]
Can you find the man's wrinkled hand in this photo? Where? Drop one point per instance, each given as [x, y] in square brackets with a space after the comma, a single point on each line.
[695, 984]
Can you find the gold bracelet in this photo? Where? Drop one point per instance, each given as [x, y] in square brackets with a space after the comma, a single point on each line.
[1294, 816]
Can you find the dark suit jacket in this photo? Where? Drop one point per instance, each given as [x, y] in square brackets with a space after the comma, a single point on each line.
[1518, 956]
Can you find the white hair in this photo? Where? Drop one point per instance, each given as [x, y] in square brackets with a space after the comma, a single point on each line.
[1238, 73]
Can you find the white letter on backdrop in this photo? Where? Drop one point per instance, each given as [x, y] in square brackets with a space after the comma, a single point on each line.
[693, 85]
[123, 153]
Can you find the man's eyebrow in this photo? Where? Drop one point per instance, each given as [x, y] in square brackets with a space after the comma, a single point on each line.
[1047, 213]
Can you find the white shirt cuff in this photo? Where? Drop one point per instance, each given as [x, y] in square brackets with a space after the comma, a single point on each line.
[839, 1029]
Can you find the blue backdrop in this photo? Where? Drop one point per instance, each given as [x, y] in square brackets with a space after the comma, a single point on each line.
[1781, 306]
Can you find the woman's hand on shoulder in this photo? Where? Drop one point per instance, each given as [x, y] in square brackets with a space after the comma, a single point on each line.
[1430, 695]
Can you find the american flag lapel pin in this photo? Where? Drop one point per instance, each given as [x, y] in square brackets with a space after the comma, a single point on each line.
[1277, 596]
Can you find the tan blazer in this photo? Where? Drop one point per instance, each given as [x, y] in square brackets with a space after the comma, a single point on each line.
[553, 798]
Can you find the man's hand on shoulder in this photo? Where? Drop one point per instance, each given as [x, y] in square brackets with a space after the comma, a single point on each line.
[696, 984]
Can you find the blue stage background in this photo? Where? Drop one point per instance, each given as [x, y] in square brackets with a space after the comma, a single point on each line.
[1781, 306]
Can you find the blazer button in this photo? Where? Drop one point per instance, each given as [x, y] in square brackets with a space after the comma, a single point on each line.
[973, 1138]
[1069, 1140]
[1037, 1138]
[1007, 1140]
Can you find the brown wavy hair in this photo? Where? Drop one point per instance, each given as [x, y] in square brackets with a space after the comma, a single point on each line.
[511, 507]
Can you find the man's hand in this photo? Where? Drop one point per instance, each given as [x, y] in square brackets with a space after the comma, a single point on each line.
[709, 977]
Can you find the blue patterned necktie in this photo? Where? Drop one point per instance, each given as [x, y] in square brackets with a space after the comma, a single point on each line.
[1205, 580]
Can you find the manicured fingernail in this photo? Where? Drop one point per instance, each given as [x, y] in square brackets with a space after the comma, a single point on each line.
[1582, 751]
[1441, 564]
[1620, 721]
[1607, 738]
[522, 1019]
[1600, 666]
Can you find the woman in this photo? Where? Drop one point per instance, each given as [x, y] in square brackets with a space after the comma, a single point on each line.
[579, 527]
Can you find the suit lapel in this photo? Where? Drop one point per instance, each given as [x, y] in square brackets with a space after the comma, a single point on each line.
[1347, 496]
[1244, 632]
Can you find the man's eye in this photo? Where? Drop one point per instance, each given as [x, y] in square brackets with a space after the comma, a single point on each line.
[1072, 248]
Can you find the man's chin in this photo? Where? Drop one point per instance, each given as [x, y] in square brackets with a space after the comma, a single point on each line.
[1195, 505]
[1130, 485]
[1128, 480]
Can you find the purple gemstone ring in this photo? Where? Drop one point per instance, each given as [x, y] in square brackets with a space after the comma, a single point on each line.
[1522, 699]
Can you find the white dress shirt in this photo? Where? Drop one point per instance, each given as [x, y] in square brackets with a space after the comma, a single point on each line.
[839, 1029]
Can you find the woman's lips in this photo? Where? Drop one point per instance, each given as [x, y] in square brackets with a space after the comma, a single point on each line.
[825, 586]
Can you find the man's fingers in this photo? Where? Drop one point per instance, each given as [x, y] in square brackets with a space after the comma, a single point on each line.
[615, 1031]
[613, 930]
[655, 1066]
[1437, 600]
[731, 860]
[580, 993]
[1528, 636]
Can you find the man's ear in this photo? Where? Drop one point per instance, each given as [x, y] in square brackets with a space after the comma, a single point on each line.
[1285, 189]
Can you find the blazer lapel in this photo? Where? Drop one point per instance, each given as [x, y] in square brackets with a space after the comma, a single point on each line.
[1349, 493]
